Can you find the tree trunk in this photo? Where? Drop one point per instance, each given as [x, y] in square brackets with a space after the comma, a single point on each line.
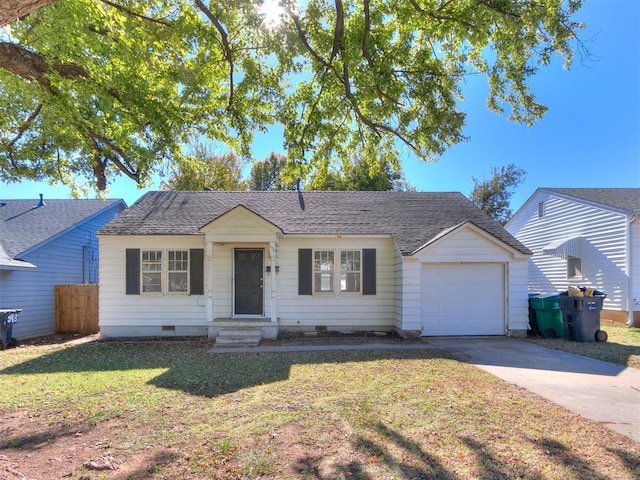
[12, 10]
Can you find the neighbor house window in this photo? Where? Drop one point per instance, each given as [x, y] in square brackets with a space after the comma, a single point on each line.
[350, 271]
[574, 268]
[323, 268]
[151, 270]
[165, 271]
[540, 209]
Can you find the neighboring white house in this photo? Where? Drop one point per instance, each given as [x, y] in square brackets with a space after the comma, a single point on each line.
[44, 243]
[187, 263]
[584, 236]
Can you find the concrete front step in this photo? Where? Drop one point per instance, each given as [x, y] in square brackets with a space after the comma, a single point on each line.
[238, 337]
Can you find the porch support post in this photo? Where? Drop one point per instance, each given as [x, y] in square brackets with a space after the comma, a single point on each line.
[273, 252]
[210, 282]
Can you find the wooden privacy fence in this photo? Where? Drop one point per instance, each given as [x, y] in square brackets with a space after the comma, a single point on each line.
[76, 308]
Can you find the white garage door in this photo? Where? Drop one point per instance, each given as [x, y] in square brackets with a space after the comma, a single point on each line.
[463, 299]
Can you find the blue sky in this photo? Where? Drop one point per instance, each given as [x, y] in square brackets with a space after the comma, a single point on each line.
[590, 137]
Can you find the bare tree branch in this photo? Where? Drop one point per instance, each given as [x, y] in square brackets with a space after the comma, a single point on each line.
[25, 126]
[122, 8]
[13, 10]
[226, 47]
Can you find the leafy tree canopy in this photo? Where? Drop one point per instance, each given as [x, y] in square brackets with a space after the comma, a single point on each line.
[272, 173]
[96, 88]
[492, 196]
[362, 174]
[207, 170]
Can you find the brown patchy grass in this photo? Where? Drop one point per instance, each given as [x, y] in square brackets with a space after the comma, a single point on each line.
[169, 410]
[622, 347]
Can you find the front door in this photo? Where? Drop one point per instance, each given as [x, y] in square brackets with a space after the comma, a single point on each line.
[248, 267]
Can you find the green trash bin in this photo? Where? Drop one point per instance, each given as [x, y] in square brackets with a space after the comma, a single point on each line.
[548, 316]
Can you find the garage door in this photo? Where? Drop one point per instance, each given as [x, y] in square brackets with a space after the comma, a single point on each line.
[463, 299]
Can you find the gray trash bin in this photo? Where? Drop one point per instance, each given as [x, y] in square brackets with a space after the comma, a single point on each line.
[8, 316]
[581, 318]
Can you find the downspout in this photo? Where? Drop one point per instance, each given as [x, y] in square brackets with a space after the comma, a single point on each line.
[630, 272]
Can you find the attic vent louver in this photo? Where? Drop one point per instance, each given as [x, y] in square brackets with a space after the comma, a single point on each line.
[41, 201]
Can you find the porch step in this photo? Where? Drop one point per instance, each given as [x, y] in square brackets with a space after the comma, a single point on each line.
[238, 337]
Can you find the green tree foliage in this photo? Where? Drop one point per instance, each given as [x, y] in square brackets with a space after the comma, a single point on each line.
[492, 196]
[362, 174]
[90, 89]
[205, 170]
[271, 174]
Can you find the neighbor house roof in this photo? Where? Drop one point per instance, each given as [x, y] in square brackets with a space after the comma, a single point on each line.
[621, 198]
[25, 225]
[413, 218]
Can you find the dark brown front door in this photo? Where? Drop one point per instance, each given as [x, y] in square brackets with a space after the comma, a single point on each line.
[248, 283]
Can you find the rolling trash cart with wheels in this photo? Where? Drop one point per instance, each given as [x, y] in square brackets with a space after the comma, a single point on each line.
[8, 316]
[581, 318]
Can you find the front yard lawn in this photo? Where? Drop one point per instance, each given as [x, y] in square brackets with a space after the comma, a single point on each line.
[622, 347]
[169, 410]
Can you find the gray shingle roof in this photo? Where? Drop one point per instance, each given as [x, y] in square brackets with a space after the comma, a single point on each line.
[621, 198]
[413, 218]
[23, 226]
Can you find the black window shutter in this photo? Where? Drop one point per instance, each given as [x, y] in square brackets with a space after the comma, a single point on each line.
[132, 276]
[196, 271]
[368, 271]
[305, 271]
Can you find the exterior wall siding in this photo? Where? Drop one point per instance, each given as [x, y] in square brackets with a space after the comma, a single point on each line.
[635, 259]
[71, 258]
[604, 260]
[145, 314]
[336, 311]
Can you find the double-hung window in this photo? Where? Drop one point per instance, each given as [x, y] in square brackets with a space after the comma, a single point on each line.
[323, 271]
[165, 271]
[151, 270]
[350, 271]
[339, 269]
[178, 271]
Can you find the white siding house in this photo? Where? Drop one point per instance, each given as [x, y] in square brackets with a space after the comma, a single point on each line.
[584, 236]
[300, 261]
[43, 245]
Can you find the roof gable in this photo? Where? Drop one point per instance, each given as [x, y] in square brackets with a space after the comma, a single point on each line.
[412, 218]
[470, 227]
[241, 222]
[627, 199]
[24, 225]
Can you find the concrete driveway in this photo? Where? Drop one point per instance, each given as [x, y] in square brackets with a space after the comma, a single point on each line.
[598, 390]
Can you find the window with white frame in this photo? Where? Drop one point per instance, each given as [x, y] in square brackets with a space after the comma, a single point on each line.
[350, 271]
[574, 268]
[151, 270]
[178, 271]
[323, 271]
[165, 271]
[339, 267]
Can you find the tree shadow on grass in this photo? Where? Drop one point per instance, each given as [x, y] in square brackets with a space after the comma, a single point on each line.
[631, 462]
[563, 455]
[414, 464]
[187, 366]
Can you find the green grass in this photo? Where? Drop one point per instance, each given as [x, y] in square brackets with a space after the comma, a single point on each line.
[622, 346]
[180, 412]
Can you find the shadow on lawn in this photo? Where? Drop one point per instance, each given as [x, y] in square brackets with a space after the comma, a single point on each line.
[411, 461]
[188, 367]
